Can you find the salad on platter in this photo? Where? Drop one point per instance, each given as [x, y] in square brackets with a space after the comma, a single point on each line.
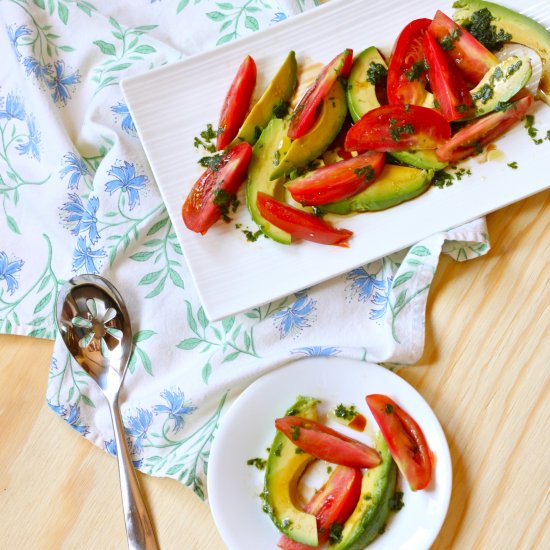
[369, 133]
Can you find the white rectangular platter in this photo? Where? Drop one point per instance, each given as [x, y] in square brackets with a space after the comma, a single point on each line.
[171, 105]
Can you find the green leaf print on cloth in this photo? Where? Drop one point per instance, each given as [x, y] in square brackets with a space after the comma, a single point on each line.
[78, 196]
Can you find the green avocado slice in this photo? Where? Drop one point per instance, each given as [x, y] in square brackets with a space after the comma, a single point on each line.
[274, 99]
[309, 147]
[501, 83]
[264, 155]
[284, 469]
[523, 30]
[361, 89]
[395, 185]
[368, 519]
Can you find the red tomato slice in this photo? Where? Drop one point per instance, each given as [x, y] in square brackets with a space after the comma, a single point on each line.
[407, 76]
[472, 58]
[327, 444]
[470, 139]
[448, 86]
[301, 225]
[398, 128]
[308, 110]
[215, 188]
[237, 102]
[337, 181]
[332, 503]
[405, 440]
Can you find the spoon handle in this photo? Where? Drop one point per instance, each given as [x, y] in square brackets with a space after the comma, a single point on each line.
[139, 529]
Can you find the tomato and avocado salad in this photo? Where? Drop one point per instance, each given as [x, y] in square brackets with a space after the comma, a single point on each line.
[353, 505]
[370, 132]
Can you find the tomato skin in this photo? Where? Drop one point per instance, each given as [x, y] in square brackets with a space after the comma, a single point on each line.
[407, 51]
[337, 181]
[236, 103]
[327, 444]
[308, 109]
[448, 86]
[398, 128]
[405, 440]
[471, 57]
[332, 503]
[469, 139]
[301, 225]
[199, 210]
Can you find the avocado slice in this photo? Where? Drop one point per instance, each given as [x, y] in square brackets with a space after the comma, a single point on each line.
[501, 83]
[264, 158]
[284, 469]
[425, 159]
[523, 29]
[368, 519]
[361, 89]
[273, 103]
[307, 148]
[395, 185]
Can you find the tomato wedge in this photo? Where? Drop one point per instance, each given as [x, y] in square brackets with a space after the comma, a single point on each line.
[449, 88]
[300, 224]
[398, 128]
[236, 104]
[308, 110]
[471, 57]
[470, 139]
[405, 440]
[327, 444]
[337, 181]
[332, 503]
[407, 75]
[216, 187]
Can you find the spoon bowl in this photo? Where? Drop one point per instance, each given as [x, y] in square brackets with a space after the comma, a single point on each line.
[95, 326]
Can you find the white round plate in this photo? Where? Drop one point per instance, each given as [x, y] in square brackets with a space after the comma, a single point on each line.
[247, 430]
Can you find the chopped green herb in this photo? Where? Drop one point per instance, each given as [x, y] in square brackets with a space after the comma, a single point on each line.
[514, 68]
[329, 469]
[277, 451]
[442, 179]
[252, 236]
[366, 172]
[461, 172]
[298, 451]
[276, 158]
[481, 27]
[389, 408]
[462, 108]
[227, 202]
[397, 131]
[295, 432]
[447, 43]
[376, 73]
[259, 463]
[532, 131]
[347, 413]
[319, 108]
[207, 136]
[335, 533]
[257, 133]
[484, 94]
[213, 162]
[513, 165]
[436, 104]
[280, 109]
[503, 105]
[478, 147]
[416, 70]
[396, 502]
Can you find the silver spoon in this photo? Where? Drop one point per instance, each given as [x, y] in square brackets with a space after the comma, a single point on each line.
[95, 326]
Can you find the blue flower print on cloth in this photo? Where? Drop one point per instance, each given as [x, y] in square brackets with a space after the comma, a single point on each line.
[78, 196]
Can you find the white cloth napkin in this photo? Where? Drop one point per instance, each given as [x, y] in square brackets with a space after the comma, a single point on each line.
[78, 196]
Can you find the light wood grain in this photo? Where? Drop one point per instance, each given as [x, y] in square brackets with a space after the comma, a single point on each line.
[485, 372]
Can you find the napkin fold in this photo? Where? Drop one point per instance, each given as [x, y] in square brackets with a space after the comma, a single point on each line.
[78, 197]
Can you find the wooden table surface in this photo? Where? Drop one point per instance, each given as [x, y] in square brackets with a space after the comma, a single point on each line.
[485, 372]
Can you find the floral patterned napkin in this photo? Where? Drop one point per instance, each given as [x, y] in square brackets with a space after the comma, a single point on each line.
[78, 197]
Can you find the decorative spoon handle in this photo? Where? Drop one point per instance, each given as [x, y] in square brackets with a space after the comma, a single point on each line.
[139, 529]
